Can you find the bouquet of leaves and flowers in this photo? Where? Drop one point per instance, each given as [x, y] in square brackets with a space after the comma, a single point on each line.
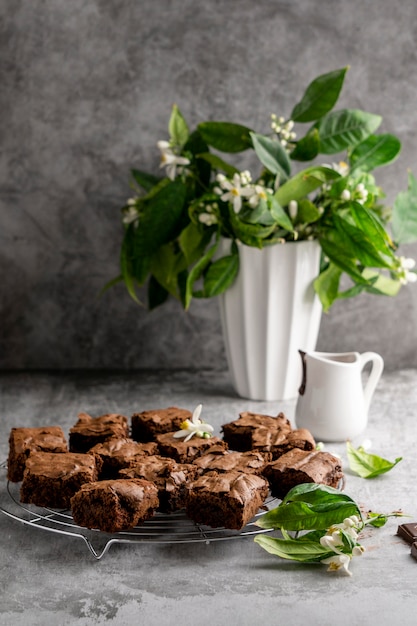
[174, 223]
[318, 524]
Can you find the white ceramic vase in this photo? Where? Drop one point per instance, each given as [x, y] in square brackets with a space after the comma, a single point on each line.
[269, 313]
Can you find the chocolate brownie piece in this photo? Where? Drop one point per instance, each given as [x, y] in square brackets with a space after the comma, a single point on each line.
[255, 431]
[51, 480]
[185, 451]
[169, 476]
[148, 424]
[89, 431]
[114, 505]
[302, 466]
[116, 454]
[228, 500]
[23, 441]
[251, 462]
[298, 438]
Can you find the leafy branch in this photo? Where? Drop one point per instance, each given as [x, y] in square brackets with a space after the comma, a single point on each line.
[172, 222]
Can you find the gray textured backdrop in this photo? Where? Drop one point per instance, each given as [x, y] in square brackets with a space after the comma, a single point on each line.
[86, 91]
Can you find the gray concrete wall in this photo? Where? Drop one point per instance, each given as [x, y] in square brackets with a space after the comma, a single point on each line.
[86, 91]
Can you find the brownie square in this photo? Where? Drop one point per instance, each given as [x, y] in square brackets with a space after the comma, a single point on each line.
[114, 505]
[302, 466]
[170, 477]
[255, 431]
[228, 500]
[251, 462]
[148, 424]
[23, 441]
[51, 480]
[186, 451]
[298, 438]
[116, 454]
[89, 431]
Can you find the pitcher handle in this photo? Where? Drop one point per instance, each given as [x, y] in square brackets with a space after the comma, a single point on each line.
[374, 376]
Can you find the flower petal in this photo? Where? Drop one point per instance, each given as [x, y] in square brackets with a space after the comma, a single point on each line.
[196, 414]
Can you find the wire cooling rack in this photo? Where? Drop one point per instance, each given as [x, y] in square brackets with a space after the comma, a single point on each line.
[174, 528]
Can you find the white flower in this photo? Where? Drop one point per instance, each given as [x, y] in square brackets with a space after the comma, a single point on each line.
[352, 521]
[259, 193]
[349, 526]
[361, 192]
[407, 263]
[293, 209]
[358, 551]
[345, 195]
[245, 177]
[332, 541]
[342, 168]
[195, 426]
[207, 218]
[234, 191]
[405, 275]
[170, 160]
[338, 563]
[130, 215]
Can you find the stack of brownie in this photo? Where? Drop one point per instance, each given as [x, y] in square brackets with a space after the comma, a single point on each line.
[114, 474]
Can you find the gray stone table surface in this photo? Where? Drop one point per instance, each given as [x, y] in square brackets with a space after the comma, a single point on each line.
[46, 578]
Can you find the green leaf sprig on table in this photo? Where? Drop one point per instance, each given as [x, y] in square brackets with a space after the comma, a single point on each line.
[325, 523]
[368, 465]
[173, 222]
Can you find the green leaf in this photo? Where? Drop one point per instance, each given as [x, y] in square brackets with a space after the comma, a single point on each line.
[272, 155]
[294, 549]
[161, 212]
[226, 136]
[249, 234]
[307, 148]
[196, 273]
[196, 145]
[307, 212]
[304, 516]
[280, 216]
[375, 151]
[126, 264]
[193, 242]
[165, 266]
[218, 163]
[370, 224]
[309, 506]
[303, 183]
[360, 245]
[404, 213]
[381, 284]
[221, 275]
[334, 247]
[326, 285]
[178, 128]
[157, 295]
[377, 520]
[146, 181]
[315, 493]
[259, 215]
[368, 465]
[320, 96]
[344, 129]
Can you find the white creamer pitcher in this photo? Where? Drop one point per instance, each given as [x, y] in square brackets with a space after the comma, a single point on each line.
[333, 402]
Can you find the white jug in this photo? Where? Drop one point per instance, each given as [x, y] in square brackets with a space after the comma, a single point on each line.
[333, 403]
